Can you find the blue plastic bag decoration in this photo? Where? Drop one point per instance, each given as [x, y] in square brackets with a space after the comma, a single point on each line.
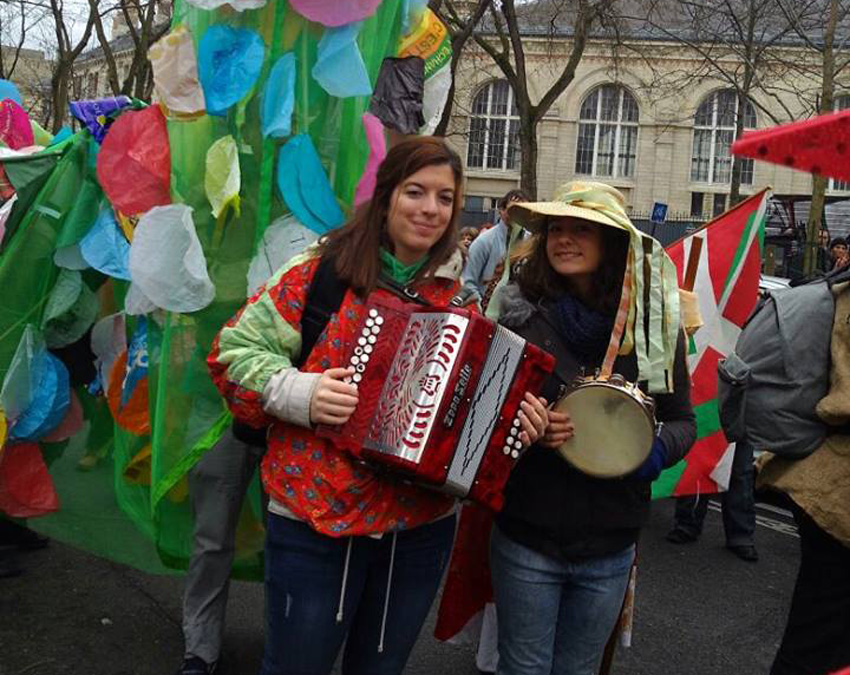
[36, 391]
[137, 361]
[95, 115]
[279, 98]
[229, 63]
[9, 90]
[105, 248]
[339, 67]
[304, 186]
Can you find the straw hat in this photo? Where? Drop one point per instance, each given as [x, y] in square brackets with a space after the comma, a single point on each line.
[587, 200]
[648, 318]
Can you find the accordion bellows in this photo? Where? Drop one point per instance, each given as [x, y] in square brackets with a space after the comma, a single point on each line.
[440, 390]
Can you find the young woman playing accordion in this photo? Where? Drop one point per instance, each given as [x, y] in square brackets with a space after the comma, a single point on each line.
[353, 555]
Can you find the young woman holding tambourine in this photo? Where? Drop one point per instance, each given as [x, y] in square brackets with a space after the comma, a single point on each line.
[352, 554]
[563, 546]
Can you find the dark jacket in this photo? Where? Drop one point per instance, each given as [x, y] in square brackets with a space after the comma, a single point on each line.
[550, 506]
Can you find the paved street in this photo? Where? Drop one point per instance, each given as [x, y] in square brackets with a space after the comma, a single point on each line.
[699, 611]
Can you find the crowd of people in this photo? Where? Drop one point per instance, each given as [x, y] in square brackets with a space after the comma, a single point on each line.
[355, 556]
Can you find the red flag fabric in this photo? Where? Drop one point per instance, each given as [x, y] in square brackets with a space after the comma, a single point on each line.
[820, 145]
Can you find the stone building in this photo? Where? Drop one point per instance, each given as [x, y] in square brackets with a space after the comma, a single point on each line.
[31, 75]
[613, 124]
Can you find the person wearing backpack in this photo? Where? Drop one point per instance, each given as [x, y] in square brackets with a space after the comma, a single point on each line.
[817, 634]
[353, 554]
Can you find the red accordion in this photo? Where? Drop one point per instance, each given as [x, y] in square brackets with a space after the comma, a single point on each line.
[440, 390]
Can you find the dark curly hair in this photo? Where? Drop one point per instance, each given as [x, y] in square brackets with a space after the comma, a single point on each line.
[538, 280]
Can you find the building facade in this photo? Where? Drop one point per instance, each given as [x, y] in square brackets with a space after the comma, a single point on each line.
[614, 124]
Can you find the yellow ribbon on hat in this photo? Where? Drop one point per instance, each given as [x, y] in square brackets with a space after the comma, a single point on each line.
[659, 308]
[2, 429]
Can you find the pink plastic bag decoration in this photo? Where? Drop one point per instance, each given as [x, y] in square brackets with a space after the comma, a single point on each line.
[134, 162]
[377, 152]
[334, 13]
[26, 488]
[15, 129]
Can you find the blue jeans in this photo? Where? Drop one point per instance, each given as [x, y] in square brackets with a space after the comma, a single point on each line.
[554, 616]
[320, 589]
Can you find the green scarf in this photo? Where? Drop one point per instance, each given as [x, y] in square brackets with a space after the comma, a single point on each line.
[397, 271]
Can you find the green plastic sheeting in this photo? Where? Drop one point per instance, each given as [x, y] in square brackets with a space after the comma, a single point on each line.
[123, 494]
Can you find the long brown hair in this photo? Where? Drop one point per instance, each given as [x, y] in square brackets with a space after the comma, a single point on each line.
[538, 280]
[356, 246]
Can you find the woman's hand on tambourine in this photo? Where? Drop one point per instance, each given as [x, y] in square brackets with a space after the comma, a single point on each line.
[333, 400]
[560, 429]
[533, 417]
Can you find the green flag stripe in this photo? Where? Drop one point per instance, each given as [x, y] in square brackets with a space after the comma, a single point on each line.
[708, 418]
[668, 480]
[741, 251]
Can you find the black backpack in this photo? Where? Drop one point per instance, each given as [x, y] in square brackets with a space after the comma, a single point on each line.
[324, 298]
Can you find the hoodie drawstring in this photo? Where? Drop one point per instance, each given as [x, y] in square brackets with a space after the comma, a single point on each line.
[339, 613]
[387, 598]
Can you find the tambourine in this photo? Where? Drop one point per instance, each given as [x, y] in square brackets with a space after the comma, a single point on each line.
[614, 426]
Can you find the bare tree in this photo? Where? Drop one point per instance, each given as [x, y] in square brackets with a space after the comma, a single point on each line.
[502, 37]
[146, 23]
[460, 29]
[742, 44]
[67, 51]
[828, 39]
[14, 18]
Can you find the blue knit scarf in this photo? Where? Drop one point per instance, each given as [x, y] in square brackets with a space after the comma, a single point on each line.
[585, 331]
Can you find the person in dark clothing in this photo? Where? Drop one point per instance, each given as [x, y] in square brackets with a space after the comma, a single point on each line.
[563, 546]
[738, 506]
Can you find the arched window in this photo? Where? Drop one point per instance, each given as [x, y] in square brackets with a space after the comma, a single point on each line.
[714, 131]
[607, 133]
[841, 103]
[494, 129]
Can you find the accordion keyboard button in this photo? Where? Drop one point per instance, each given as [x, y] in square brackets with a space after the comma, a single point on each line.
[507, 450]
[364, 358]
[373, 313]
[515, 454]
[358, 351]
[372, 339]
[355, 360]
[367, 349]
[361, 367]
[356, 377]
[362, 341]
[370, 322]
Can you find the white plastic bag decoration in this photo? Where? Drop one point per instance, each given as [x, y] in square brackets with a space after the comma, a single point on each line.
[71, 309]
[108, 342]
[175, 73]
[70, 258]
[137, 303]
[223, 180]
[167, 263]
[285, 238]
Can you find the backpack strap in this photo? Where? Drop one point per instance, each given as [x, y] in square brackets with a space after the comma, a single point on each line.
[324, 298]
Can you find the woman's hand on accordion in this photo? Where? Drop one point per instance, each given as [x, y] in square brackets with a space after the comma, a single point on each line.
[560, 429]
[333, 400]
[533, 417]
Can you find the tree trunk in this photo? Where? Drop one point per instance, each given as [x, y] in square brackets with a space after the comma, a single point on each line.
[59, 85]
[528, 165]
[819, 183]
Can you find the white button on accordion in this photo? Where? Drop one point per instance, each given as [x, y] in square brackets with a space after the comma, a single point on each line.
[440, 390]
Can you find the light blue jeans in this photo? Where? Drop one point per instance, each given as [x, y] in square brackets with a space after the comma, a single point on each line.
[554, 616]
